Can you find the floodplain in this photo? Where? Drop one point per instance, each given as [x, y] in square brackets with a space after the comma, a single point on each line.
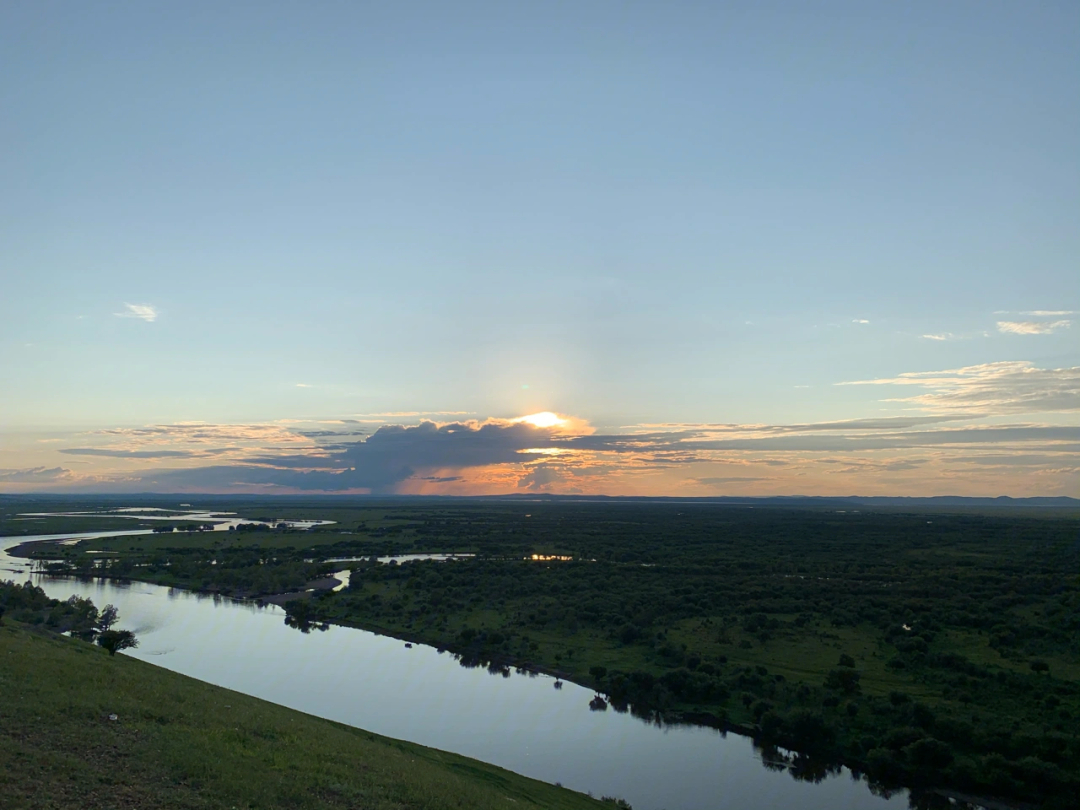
[935, 649]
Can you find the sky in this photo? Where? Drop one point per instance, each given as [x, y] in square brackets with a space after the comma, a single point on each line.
[741, 248]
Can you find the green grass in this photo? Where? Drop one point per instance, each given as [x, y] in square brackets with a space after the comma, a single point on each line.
[15, 527]
[181, 743]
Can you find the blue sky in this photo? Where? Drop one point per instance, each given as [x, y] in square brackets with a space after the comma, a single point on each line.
[630, 214]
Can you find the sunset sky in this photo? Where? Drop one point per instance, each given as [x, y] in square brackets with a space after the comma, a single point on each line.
[728, 248]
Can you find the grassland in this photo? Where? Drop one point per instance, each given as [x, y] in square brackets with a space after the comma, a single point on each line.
[180, 743]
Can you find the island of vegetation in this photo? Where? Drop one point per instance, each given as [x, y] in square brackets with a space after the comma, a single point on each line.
[937, 649]
[80, 728]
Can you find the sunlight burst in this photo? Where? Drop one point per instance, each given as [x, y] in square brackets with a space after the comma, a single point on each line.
[544, 419]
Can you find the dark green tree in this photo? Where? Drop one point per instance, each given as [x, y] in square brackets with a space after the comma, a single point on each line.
[107, 618]
[116, 640]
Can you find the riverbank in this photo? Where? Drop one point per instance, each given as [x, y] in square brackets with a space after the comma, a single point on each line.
[180, 743]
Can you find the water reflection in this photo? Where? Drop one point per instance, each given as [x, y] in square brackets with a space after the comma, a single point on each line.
[305, 625]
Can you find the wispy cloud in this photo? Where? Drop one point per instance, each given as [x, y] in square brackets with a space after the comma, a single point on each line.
[145, 312]
[717, 481]
[36, 475]
[109, 452]
[203, 433]
[941, 336]
[1048, 313]
[991, 388]
[402, 414]
[859, 320]
[1032, 327]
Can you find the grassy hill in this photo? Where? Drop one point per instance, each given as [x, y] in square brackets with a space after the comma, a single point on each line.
[181, 743]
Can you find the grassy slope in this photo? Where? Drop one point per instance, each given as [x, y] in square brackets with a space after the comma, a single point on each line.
[181, 743]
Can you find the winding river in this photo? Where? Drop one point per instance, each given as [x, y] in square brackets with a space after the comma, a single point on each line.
[415, 693]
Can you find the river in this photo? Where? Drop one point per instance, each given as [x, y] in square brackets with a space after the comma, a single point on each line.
[415, 693]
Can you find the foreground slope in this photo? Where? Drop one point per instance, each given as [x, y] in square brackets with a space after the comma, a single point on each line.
[181, 743]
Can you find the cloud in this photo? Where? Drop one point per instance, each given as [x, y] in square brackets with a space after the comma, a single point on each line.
[35, 475]
[402, 414]
[1048, 313]
[811, 443]
[872, 423]
[119, 453]
[1032, 327]
[914, 451]
[859, 320]
[319, 434]
[734, 479]
[991, 388]
[540, 476]
[145, 312]
[391, 455]
[862, 465]
[434, 453]
[203, 433]
[941, 336]
[1021, 459]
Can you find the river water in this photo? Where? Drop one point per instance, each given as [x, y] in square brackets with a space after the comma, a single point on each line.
[518, 722]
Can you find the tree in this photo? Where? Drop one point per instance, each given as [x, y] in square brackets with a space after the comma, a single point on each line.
[116, 640]
[929, 754]
[107, 618]
[845, 680]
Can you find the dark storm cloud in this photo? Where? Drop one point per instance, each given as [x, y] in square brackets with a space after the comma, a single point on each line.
[391, 455]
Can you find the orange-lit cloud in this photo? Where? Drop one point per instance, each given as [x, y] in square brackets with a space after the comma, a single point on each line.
[959, 438]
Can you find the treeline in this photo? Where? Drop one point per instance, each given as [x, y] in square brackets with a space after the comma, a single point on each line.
[28, 604]
[244, 572]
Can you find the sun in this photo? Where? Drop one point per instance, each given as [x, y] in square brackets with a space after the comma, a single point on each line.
[544, 419]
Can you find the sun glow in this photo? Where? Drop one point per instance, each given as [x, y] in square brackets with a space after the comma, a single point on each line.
[544, 419]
